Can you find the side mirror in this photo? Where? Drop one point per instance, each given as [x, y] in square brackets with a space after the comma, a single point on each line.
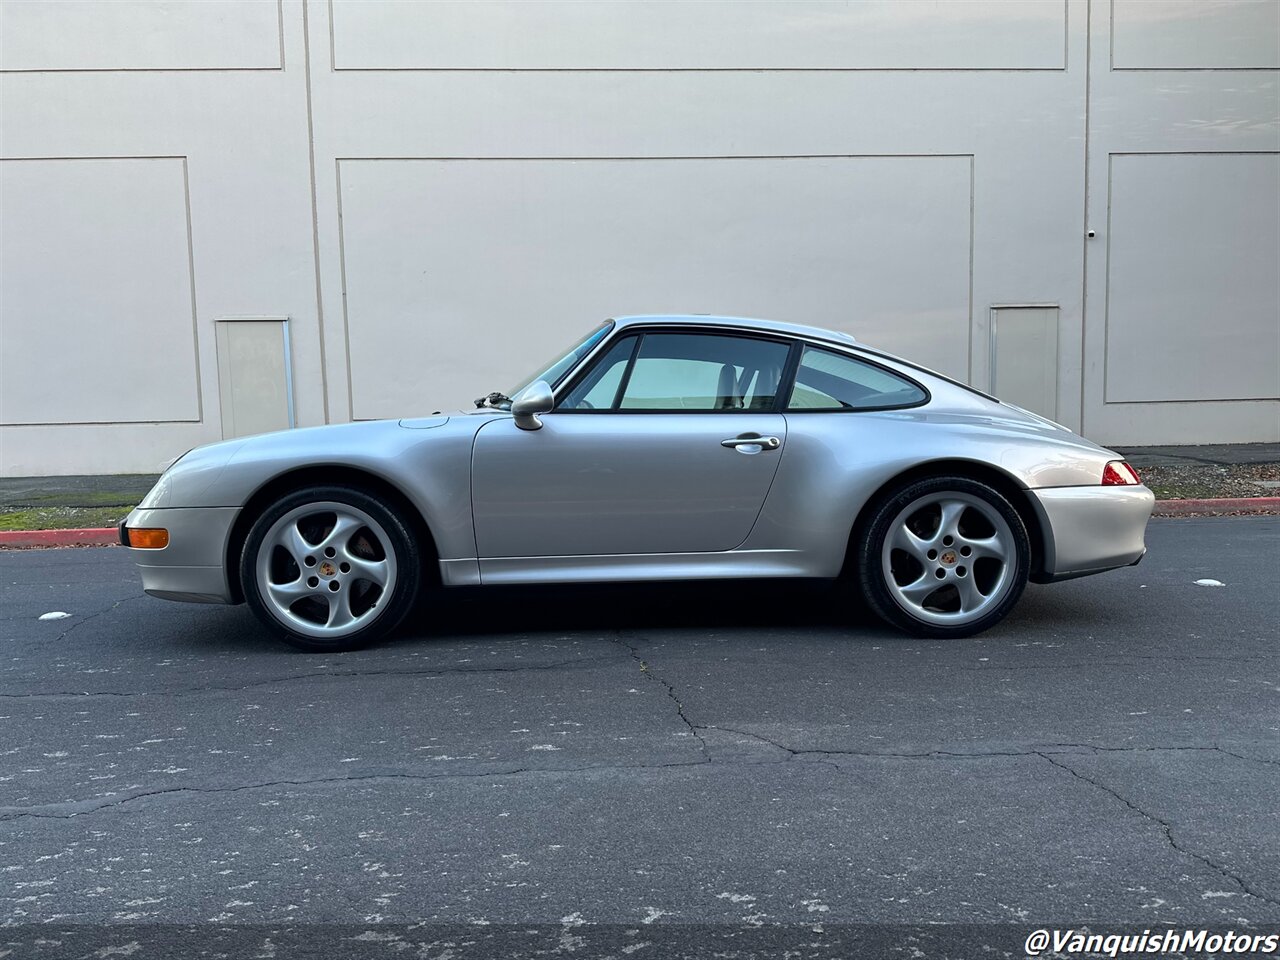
[533, 400]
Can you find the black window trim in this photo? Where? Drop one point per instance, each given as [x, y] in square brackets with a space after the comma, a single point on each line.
[933, 373]
[786, 385]
[625, 380]
[610, 328]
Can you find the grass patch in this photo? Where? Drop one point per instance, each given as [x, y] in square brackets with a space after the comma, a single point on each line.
[62, 518]
[1184, 490]
[83, 498]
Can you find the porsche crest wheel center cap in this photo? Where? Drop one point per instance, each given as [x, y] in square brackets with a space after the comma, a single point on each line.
[948, 557]
[327, 569]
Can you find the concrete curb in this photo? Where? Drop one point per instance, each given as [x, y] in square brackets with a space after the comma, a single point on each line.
[85, 537]
[109, 536]
[1223, 507]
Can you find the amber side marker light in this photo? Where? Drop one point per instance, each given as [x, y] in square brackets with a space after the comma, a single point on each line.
[1117, 473]
[148, 538]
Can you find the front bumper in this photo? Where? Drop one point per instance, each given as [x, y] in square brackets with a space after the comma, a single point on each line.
[1092, 529]
[192, 568]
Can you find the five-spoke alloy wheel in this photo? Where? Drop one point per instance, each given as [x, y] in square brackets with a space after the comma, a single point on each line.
[944, 557]
[330, 568]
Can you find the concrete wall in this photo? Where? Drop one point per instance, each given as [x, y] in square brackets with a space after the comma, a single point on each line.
[436, 195]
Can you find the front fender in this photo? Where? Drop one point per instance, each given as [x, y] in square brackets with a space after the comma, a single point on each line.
[428, 462]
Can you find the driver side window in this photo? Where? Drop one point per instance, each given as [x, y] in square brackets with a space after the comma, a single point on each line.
[675, 372]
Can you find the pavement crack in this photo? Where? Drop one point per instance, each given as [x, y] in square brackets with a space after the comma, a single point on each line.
[1165, 828]
[1032, 750]
[1241, 756]
[798, 753]
[1179, 748]
[94, 616]
[755, 736]
[297, 677]
[1188, 748]
[68, 810]
[671, 693]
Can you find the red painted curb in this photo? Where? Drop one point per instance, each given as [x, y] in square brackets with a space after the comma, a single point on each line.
[91, 537]
[1221, 507]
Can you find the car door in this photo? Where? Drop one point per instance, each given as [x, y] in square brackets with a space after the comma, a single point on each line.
[667, 444]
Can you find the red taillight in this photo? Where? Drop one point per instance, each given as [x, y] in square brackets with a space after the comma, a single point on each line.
[1117, 473]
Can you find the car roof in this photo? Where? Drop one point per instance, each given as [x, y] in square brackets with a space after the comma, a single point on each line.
[741, 323]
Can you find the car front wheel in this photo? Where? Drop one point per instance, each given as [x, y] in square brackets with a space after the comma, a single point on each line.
[330, 568]
[944, 557]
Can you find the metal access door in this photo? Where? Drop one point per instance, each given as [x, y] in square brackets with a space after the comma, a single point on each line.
[1024, 357]
[255, 382]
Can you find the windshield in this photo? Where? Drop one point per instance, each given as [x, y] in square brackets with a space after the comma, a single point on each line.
[554, 372]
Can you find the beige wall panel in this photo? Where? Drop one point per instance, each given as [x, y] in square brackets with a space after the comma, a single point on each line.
[460, 276]
[43, 35]
[1195, 34]
[1193, 283]
[96, 312]
[699, 35]
[1185, 299]
[244, 134]
[977, 90]
[97, 448]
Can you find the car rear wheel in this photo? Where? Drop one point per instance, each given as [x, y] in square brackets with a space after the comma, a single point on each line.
[330, 568]
[944, 557]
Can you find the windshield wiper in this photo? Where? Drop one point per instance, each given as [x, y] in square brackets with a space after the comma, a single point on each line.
[494, 399]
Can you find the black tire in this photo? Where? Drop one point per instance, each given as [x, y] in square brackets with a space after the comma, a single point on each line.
[930, 618]
[390, 536]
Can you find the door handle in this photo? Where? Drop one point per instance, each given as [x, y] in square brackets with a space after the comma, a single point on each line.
[766, 443]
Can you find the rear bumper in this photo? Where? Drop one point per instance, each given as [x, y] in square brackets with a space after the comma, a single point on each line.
[1091, 529]
[192, 568]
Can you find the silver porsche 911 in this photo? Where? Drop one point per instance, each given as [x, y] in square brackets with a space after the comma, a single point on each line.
[656, 448]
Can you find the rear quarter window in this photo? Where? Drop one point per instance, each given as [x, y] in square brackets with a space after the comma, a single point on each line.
[826, 380]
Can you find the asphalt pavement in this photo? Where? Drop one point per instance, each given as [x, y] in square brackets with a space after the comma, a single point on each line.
[642, 771]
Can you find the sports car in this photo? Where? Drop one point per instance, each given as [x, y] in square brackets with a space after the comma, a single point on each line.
[655, 448]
